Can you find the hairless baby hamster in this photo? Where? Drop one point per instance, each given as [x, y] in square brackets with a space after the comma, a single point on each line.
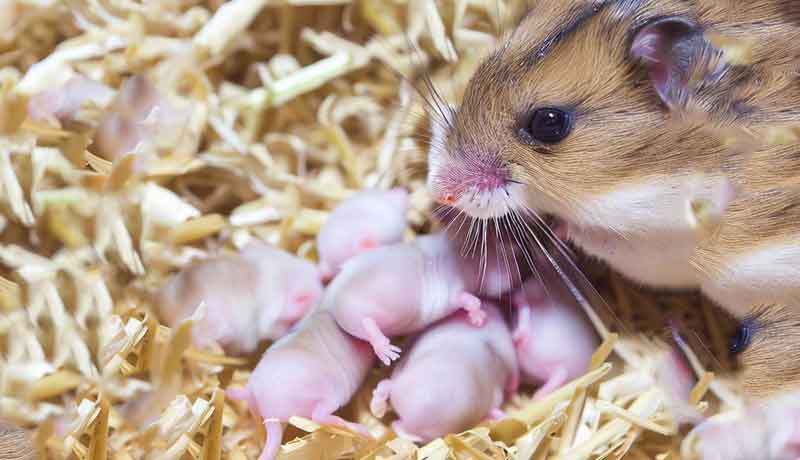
[554, 341]
[258, 294]
[452, 377]
[400, 289]
[311, 372]
[368, 219]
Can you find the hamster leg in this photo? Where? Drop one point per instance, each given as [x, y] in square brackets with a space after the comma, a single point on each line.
[380, 397]
[323, 414]
[522, 332]
[472, 305]
[244, 394]
[513, 383]
[557, 378]
[381, 345]
[397, 426]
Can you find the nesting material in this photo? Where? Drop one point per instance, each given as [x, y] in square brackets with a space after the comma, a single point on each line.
[261, 118]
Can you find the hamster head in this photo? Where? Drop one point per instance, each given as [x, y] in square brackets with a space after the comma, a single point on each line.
[573, 117]
[768, 348]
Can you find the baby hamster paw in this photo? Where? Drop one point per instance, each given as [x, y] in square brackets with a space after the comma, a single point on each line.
[379, 404]
[522, 331]
[472, 305]
[381, 345]
[385, 351]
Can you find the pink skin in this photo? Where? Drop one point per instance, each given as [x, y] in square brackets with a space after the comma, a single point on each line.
[400, 289]
[63, 103]
[139, 113]
[311, 373]
[256, 295]
[422, 391]
[769, 430]
[365, 221]
[677, 379]
[554, 342]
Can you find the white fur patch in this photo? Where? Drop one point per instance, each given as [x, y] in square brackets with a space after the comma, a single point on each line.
[495, 203]
[647, 230]
[660, 203]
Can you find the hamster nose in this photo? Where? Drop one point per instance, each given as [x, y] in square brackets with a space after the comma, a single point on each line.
[445, 198]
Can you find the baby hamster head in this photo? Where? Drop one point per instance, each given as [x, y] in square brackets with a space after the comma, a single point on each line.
[572, 115]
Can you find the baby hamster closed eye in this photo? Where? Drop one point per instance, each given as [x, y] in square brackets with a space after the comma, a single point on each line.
[574, 116]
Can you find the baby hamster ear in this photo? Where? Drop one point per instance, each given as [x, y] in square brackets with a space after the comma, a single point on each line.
[669, 47]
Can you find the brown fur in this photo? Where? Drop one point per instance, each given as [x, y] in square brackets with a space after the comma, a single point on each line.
[772, 361]
[754, 221]
[622, 132]
[746, 124]
[15, 443]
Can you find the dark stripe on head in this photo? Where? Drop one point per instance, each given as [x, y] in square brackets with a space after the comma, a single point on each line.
[578, 17]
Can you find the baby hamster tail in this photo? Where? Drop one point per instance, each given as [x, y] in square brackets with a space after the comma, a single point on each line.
[274, 437]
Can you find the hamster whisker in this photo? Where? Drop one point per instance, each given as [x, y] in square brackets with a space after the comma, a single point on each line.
[517, 232]
[577, 273]
[546, 228]
[484, 258]
[517, 272]
[442, 212]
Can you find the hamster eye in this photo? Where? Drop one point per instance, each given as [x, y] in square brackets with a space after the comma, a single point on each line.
[549, 125]
[741, 340]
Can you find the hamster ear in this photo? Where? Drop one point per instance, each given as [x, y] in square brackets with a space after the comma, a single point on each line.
[667, 48]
